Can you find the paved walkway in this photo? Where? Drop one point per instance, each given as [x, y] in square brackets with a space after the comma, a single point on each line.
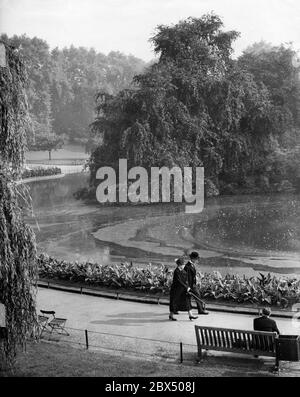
[117, 325]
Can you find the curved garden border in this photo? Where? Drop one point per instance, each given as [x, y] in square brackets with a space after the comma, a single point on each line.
[41, 178]
[134, 296]
[264, 290]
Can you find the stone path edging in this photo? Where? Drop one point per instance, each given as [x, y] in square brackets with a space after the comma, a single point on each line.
[154, 299]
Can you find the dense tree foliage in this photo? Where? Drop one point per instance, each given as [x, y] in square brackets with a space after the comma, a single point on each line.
[35, 53]
[63, 83]
[277, 69]
[47, 142]
[197, 106]
[18, 269]
[274, 68]
[78, 75]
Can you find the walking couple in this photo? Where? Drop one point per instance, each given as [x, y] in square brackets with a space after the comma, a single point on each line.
[184, 287]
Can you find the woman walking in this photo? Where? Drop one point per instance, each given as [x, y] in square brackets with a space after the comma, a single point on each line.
[179, 299]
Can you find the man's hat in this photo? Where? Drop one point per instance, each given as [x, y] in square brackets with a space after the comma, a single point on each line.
[194, 255]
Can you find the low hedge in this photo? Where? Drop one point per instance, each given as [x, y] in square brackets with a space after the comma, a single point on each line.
[39, 171]
[264, 289]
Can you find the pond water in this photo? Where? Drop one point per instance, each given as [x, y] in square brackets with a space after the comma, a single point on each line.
[237, 234]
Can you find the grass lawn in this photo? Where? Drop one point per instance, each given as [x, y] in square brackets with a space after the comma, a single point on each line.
[45, 359]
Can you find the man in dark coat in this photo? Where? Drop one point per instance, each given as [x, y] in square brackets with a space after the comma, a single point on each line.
[179, 299]
[191, 276]
[265, 323]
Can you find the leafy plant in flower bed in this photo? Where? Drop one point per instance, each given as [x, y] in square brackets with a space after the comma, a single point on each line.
[151, 278]
[265, 289]
[40, 172]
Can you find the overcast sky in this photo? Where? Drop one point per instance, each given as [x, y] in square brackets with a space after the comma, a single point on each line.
[126, 25]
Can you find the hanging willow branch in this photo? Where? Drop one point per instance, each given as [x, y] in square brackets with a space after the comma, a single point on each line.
[18, 269]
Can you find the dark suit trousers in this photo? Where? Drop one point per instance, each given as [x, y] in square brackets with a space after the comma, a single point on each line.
[199, 302]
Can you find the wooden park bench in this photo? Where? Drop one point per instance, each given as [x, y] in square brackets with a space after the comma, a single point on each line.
[50, 324]
[255, 343]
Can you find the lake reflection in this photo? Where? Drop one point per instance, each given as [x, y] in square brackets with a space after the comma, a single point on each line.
[243, 234]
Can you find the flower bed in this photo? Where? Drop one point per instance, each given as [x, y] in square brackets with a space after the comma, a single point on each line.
[265, 289]
[39, 171]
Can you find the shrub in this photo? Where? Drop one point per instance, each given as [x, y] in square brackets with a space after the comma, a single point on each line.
[264, 289]
[40, 172]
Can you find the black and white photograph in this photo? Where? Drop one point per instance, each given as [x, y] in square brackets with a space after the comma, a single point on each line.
[149, 191]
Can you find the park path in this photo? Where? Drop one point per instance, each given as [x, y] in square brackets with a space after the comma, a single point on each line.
[118, 326]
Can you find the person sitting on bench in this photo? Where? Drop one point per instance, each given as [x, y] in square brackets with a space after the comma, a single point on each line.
[264, 323]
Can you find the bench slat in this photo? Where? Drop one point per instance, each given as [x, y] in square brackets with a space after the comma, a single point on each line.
[202, 336]
[262, 343]
[206, 337]
[227, 339]
[213, 339]
[233, 338]
[227, 343]
[249, 341]
[220, 334]
[254, 341]
[221, 341]
[241, 340]
[207, 334]
[268, 344]
[218, 338]
[224, 343]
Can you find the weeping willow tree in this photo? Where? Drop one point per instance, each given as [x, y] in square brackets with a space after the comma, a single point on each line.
[18, 269]
[194, 107]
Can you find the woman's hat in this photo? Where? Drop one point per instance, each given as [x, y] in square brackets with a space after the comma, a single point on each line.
[179, 261]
